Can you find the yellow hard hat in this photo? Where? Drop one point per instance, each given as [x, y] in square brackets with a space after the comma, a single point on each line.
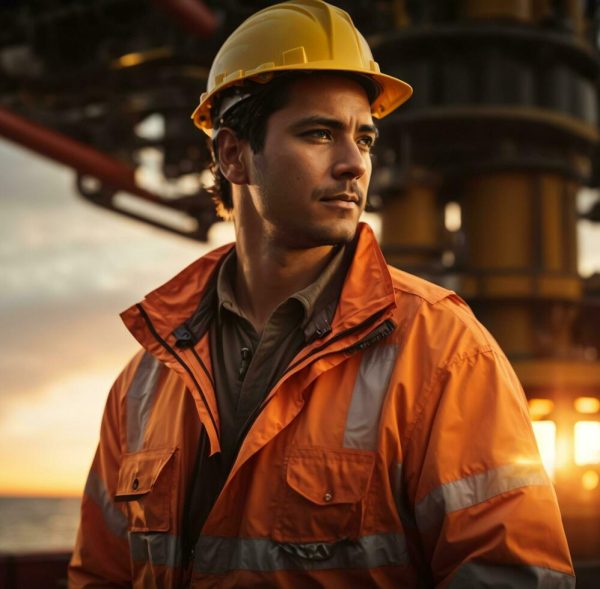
[297, 35]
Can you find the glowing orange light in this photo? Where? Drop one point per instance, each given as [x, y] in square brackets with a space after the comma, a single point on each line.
[590, 480]
[545, 435]
[452, 216]
[587, 405]
[587, 442]
[539, 408]
[130, 60]
[133, 59]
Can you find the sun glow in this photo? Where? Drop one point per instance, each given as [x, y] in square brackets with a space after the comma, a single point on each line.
[590, 480]
[587, 405]
[539, 408]
[587, 442]
[545, 435]
[47, 444]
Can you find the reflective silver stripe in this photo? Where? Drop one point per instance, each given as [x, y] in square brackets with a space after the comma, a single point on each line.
[114, 518]
[362, 423]
[485, 576]
[217, 555]
[139, 400]
[430, 511]
[157, 549]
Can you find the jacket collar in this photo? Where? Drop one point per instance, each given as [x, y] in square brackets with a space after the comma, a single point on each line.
[366, 290]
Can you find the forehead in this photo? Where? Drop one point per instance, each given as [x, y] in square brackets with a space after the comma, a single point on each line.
[330, 95]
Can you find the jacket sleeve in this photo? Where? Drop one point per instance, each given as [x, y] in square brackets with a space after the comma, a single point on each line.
[101, 554]
[484, 508]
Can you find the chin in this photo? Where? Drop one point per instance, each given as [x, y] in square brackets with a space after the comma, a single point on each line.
[309, 234]
[334, 234]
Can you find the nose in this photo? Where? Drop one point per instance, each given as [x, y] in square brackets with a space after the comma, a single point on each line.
[351, 163]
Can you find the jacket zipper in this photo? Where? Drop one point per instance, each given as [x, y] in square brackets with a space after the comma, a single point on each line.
[377, 334]
[342, 335]
[380, 332]
[169, 349]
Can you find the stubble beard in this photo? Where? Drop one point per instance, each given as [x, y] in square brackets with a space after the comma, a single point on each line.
[307, 233]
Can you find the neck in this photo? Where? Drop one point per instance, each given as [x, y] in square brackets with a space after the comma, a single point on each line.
[267, 274]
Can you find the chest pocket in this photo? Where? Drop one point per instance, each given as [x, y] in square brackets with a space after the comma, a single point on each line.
[323, 495]
[146, 483]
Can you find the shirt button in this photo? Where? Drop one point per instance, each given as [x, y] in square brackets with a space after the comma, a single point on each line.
[328, 497]
[135, 484]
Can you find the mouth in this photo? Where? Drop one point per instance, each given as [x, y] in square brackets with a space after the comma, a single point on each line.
[343, 198]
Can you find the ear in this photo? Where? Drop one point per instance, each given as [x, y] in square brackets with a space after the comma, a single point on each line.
[230, 150]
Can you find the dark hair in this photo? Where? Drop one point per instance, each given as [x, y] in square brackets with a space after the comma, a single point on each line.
[248, 120]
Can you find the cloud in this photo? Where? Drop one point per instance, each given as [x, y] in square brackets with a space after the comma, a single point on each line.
[67, 269]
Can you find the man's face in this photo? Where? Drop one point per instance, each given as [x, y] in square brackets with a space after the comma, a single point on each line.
[309, 183]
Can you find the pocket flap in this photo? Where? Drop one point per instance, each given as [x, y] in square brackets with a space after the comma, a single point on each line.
[140, 470]
[329, 477]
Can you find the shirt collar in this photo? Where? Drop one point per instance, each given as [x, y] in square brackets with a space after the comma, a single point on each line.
[225, 281]
[318, 299]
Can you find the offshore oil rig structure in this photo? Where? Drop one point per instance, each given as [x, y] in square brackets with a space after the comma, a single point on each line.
[479, 179]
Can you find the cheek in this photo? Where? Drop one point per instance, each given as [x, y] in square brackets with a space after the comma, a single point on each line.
[369, 168]
[294, 173]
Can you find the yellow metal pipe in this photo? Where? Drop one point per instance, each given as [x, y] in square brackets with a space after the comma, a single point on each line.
[411, 229]
[520, 231]
[498, 220]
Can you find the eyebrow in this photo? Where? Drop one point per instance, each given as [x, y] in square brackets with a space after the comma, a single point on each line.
[332, 124]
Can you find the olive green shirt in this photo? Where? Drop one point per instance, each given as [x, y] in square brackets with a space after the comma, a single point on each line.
[243, 379]
[247, 365]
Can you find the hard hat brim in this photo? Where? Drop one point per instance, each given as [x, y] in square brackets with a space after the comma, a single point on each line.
[394, 92]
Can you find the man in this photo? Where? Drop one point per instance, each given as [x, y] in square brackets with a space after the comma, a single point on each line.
[301, 414]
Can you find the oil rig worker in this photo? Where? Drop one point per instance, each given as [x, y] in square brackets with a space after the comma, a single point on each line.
[301, 414]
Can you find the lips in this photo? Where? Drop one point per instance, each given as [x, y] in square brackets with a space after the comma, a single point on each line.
[344, 197]
[341, 202]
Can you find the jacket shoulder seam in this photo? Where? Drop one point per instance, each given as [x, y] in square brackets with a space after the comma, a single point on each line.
[436, 376]
[401, 283]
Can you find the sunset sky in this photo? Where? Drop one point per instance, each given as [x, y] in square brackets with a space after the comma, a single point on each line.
[67, 269]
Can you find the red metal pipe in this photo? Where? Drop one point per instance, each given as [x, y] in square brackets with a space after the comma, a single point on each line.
[194, 15]
[74, 154]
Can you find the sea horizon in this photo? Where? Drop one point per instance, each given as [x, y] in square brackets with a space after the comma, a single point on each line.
[38, 523]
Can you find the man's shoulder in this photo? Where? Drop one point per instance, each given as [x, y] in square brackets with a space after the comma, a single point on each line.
[434, 305]
[414, 285]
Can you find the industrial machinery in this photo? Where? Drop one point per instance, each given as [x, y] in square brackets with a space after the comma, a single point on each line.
[479, 192]
[477, 178]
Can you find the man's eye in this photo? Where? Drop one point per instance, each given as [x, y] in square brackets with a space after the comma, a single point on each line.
[318, 134]
[366, 142]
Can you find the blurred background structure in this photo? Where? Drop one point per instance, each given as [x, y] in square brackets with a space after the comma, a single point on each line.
[480, 180]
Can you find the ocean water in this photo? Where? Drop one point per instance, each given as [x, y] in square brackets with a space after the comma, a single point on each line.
[31, 524]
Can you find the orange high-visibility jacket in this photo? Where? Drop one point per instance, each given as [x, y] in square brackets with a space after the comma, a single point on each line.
[395, 451]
